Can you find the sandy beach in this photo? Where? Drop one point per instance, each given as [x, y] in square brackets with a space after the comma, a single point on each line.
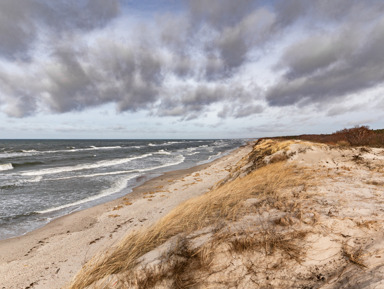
[50, 256]
[292, 214]
[278, 214]
[191, 144]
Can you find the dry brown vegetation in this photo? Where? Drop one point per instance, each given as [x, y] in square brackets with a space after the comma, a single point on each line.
[224, 204]
[354, 255]
[357, 136]
[267, 225]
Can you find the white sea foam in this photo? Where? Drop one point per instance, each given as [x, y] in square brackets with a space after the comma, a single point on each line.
[18, 182]
[214, 156]
[96, 165]
[73, 149]
[6, 167]
[92, 175]
[26, 153]
[179, 160]
[163, 152]
[35, 179]
[192, 149]
[174, 142]
[117, 187]
[104, 148]
[16, 154]
[120, 185]
[165, 144]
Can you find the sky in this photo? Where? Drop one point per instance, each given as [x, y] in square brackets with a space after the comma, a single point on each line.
[161, 69]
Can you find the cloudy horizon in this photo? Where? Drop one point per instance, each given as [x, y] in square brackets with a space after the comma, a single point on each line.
[189, 68]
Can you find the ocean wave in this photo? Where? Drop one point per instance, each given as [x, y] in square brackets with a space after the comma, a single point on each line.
[34, 180]
[165, 144]
[21, 182]
[196, 150]
[7, 187]
[73, 149]
[163, 152]
[27, 153]
[214, 156]
[174, 142]
[180, 159]
[5, 155]
[192, 149]
[18, 216]
[92, 175]
[120, 185]
[27, 164]
[6, 167]
[104, 148]
[96, 165]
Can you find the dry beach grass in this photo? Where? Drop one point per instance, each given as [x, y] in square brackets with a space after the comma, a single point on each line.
[222, 204]
[274, 214]
[289, 215]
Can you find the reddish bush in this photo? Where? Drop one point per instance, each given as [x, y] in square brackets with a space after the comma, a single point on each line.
[357, 136]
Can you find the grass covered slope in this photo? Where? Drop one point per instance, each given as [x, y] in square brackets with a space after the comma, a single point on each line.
[291, 215]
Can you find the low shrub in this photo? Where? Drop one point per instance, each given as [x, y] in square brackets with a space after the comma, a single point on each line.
[357, 136]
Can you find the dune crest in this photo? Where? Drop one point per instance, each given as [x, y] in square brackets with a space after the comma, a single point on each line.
[291, 214]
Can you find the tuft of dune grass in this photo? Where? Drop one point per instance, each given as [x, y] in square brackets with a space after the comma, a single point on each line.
[269, 184]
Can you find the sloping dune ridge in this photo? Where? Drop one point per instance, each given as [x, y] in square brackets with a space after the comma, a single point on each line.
[290, 214]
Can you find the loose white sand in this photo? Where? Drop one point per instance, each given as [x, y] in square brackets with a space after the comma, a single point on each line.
[341, 211]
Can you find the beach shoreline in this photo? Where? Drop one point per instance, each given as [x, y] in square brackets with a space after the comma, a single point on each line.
[312, 212]
[50, 256]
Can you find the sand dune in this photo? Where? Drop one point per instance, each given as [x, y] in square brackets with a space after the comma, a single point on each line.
[274, 214]
[289, 215]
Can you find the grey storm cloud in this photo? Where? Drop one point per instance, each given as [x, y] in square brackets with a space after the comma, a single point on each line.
[132, 75]
[240, 111]
[327, 66]
[189, 102]
[15, 37]
[237, 27]
[21, 20]
[129, 77]
[181, 64]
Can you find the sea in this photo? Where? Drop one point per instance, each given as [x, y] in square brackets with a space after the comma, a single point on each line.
[41, 180]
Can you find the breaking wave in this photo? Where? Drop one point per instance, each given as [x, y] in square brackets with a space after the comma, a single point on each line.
[96, 165]
[6, 167]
